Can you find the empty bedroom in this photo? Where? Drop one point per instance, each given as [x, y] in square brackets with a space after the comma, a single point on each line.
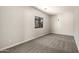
[39, 29]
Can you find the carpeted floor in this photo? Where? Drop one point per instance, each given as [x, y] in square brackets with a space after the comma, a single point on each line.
[51, 43]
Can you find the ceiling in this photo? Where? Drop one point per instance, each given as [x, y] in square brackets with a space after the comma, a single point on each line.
[52, 10]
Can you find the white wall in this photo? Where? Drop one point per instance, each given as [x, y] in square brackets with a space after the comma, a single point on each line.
[30, 31]
[76, 35]
[65, 24]
[68, 24]
[17, 25]
[12, 25]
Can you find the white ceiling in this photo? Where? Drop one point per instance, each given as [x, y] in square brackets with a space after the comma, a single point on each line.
[55, 9]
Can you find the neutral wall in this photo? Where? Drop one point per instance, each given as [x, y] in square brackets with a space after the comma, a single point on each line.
[63, 24]
[12, 25]
[30, 31]
[17, 25]
[68, 24]
[76, 34]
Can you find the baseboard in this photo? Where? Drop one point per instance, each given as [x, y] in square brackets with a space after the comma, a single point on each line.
[2, 49]
[18, 43]
[77, 47]
[62, 34]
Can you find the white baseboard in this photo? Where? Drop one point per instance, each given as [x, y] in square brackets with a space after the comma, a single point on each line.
[77, 45]
[2, 49]
[63, 34]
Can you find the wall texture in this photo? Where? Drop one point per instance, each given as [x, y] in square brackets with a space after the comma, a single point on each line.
[17, 25]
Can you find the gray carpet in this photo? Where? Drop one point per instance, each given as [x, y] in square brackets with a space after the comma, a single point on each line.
[51, 43]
